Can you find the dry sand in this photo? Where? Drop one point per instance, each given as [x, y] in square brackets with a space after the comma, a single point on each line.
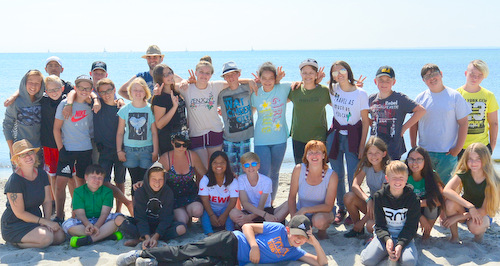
[339, 250]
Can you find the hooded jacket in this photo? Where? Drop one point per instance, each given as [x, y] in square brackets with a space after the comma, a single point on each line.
[396, 217]
[23, 117]
[153, 211]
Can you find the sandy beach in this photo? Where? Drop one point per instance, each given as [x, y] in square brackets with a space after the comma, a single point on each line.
[339, 250]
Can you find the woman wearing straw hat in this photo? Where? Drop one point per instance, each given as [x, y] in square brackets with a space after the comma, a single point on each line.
[27, 189]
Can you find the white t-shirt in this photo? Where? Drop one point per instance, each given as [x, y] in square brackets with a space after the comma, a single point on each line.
[218, 195]
[347, 106]
[202, 108]
[264, 186]
[438, 128]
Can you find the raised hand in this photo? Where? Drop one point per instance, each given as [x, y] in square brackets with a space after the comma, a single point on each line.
[192, 77]
[359, 82]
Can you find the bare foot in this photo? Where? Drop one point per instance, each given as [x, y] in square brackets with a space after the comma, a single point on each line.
[132, 242]
[478, 238]
[426, 236]
[322, 234]
[455, 241]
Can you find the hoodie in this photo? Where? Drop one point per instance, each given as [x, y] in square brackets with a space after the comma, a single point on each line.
[153, 211]
[23, 117]
[396, 218]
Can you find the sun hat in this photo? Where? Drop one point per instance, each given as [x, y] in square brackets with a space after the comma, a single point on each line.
[299, 225]
[153, 50]
[229, 67]
[20, 147]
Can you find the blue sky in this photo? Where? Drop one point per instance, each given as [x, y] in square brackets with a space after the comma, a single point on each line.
[122, 26]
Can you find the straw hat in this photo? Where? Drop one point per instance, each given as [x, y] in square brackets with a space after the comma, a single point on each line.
[21, 147]
[153, 50]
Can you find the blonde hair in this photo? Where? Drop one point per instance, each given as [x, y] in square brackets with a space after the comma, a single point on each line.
[249, 156]
[143, 84]
[35, 72]
[53, 79]
[205, 63]
[315, 145]
[396, 167]
[492, 190]
[481, 66]
[15, 160]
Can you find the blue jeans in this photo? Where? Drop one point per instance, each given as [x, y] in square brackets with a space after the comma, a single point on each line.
[234, 151]
[338, 166]
[207, 225]
[138, 157]
[271, 157]
[443, 164]
[375, 252]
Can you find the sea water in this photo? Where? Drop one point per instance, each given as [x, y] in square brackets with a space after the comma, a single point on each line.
[122, 66]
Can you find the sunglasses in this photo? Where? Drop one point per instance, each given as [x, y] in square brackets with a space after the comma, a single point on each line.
[246, 165]
[178, 144]
[343, 71]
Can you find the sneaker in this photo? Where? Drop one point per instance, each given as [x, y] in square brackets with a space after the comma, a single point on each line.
[353, 233]
[348, 221]
[339, 217]
[128, 258]
[78, 241]
[146, 262]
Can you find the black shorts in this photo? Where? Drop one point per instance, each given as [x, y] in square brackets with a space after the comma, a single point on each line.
[69, 159]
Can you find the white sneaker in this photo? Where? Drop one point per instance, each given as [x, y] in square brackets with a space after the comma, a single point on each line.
[146, 262]
[128, 258]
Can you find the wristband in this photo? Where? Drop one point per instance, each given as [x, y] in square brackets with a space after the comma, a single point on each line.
[368, 199]
[68, 104]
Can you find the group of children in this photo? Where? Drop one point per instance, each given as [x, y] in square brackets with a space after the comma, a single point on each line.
[224, 184]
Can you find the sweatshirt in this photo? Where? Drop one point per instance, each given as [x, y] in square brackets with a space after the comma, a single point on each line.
[153, 211]
[23, 117]
[396, 218]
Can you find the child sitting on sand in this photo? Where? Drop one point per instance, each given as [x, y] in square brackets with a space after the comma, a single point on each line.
[397, 211]
[255, 191]
[92, 204]
[481, 197]
[258, 243]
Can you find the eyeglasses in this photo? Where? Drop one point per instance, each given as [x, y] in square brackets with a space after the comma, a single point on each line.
[432, 75]
[343, 71]
[178, 144]
[53, 90]
[84, 89]
[418, 160]
[24, 155]
[246, 165]
[106, 92]
[170, 73]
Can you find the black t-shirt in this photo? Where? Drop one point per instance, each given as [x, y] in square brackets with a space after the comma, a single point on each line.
[178, 120]
[106, 125]
[49, 108]
[67, 86]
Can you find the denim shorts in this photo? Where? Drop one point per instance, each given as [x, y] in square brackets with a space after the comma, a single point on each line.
[138, 157]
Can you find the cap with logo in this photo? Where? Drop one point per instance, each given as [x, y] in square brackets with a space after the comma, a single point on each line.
[299, 225]
[99, 65]
[386, 71]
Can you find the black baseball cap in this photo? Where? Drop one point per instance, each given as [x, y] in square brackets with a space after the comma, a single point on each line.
[299, 225]
[99, 65]
[386, 71]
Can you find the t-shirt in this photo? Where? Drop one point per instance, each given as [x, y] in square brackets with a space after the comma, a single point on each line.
[138, 122]
[264, 186]
[148, 78]
[347, 106]
[202, 108]
[273, 245]
[309, 115]
[218, 195]
[312, 195]
[438, 128]
[179, 119]
[236, 113]
[482, 103]
[374, 180]
[33, 194]
[106, 125]
[473, 192]
[418, 186]
[271, 127]
[388, 116]
[78, 130]
[49, 108]
[92, 202]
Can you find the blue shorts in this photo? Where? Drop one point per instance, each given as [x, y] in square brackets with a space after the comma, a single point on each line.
[138, 157]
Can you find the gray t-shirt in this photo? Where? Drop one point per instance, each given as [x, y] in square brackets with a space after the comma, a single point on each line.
[78, 130]
[388, 117]
[374, 180]
[236, 113]
[312, 195]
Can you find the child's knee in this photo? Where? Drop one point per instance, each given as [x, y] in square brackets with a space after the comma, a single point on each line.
[181, 229]
[349, 197]
[119, 220]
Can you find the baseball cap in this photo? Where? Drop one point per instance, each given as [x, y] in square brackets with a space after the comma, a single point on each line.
[299, 225]
[99, 65]
[309, 62]
[153, 50]
[386, 71]
[53, 58]
[229, 67]
[83, 78]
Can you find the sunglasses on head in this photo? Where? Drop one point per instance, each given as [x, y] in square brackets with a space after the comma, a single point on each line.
[246, 165]
[178, 144]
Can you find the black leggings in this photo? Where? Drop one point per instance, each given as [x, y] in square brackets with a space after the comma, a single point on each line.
[221, 247]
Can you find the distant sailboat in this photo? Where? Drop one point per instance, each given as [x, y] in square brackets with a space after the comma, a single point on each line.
[104, 50]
